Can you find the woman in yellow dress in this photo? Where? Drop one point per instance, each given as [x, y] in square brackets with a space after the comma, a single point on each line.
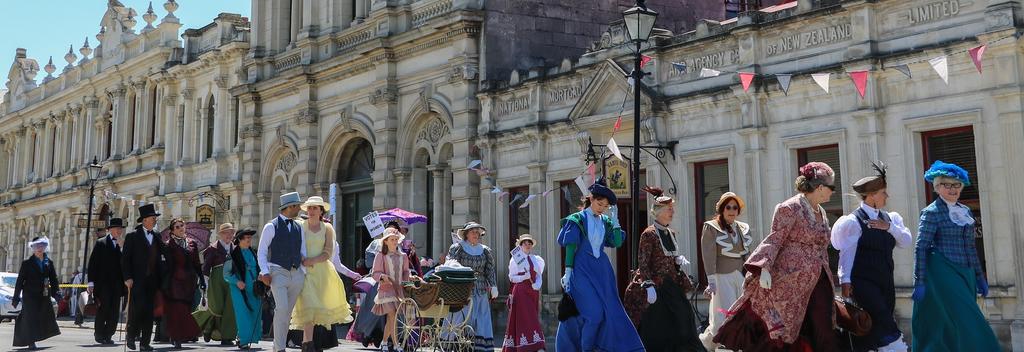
[322, 300]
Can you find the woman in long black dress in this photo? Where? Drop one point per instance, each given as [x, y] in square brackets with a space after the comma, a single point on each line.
[37, 282]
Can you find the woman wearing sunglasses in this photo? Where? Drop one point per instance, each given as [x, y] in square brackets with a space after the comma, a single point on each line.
[947, 272]
[787, 293]
[724, 244]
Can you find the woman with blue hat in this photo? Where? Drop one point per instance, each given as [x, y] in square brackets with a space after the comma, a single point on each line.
[947, 271]
[601, 323]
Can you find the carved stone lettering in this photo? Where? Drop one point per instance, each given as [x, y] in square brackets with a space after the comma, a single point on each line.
[567, 94]
[933, 11]
[511, 105]
[711, 61]
[809, 39]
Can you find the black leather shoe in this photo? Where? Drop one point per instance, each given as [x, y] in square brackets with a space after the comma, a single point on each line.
[177, 345]
[227, 343]
[131, 344]
[146, 348]
[244, 347]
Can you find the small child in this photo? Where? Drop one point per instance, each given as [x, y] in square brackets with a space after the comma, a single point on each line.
[390, 269]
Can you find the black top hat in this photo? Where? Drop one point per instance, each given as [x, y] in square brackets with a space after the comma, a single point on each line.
[244, 232]
[600, 189]
[115, 222]
[146, 211]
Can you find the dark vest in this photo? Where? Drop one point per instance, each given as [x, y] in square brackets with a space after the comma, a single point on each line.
[874, 251]
[286, 248]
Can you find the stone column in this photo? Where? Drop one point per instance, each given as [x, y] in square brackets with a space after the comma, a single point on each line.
[347, 13]
[296, 24]
[170, 121]
[76, 143]
[362, 8]
[188, 145]
[118, 119]
[141, 118]
[89, 132]
[438, 229]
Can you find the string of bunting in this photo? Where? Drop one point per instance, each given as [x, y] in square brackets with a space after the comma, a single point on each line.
[111, 195]
[939, 64]
[581, 182]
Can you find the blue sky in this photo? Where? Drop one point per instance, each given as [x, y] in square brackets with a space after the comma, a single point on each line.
[47, 27]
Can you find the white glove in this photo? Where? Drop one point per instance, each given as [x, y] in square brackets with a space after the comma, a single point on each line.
[565, 279]
[652, 296]
[536, 285]
[613, 212]
[494, 292]
[681, 261]
[766, 279]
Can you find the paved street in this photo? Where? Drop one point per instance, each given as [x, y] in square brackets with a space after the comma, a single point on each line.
[73, 338]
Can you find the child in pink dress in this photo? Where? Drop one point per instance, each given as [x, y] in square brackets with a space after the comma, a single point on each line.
[390, 269]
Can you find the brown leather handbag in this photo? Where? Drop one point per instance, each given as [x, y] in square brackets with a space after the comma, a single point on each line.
[851, 317]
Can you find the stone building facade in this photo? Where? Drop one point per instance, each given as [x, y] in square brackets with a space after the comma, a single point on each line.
[392, 99]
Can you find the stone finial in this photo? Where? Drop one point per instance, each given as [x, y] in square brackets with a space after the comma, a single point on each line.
[101, 34]
[20, 53]
[70, 57]
[50, 69]
[85, 50]
[170, 6]
[149, 17]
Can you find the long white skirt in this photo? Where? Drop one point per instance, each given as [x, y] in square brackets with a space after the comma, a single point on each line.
[729, 288]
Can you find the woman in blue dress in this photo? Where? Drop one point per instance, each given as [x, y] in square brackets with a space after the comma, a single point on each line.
[602, 323]
[947, 271]
[240, 273]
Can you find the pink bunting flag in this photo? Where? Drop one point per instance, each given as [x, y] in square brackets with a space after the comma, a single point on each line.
[976, 54]
[618, 124]
[592, 170]
[502, 195]
[644, 59]
[746, 78]
[860, 80]
[546, 193]
[526, 202]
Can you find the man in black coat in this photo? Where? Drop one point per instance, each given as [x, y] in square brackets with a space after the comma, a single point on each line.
[106, 281]
[141, 263]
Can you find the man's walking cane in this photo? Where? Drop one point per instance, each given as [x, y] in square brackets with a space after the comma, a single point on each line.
[127, 305]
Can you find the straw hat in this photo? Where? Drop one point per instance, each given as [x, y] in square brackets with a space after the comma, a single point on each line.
[314, 201]
[392, 233]
[525, 237]
[472, 225]
[725, 199]
[225, 227]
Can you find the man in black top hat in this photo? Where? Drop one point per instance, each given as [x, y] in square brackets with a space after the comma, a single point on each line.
[106, 283]
[141, 261]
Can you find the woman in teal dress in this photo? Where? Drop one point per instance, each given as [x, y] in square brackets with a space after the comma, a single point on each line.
[240, 273]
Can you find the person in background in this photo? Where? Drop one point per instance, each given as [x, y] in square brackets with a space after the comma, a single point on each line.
[184, 275]
[409, 248]
[217, 322]
[796, 312]
[469, 252]
[368, 327]
[865, 240]
[390, 269]
[77, 311]
[947, 271]
[524, 332]
[106, 283]
[601, 323]
[725, 243]
[37, 282]
[240, 274]
[656, 298]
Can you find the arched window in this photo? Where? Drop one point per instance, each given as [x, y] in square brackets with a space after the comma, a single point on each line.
[209, 126]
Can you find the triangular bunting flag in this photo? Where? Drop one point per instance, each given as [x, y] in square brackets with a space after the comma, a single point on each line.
[546, 193]
[860, 80]
[496, 190]
[784, 80]
[746, 78]
[822, 80]
[614, 147]
[680, 67]
[482, 171]
[941, 66]
[584, 188]
[473, 164]
[516, 198]
[630, 81]
[566, 194]
[618, 124]
[904, 68]
[644, 59]
[707, 72]
[592, 170]
[502, 195]
[526, 202]
[976, 54]
[1019, 33]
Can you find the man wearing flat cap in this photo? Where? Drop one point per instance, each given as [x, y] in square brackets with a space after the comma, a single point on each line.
[865, 240]
[106, 282]
[281, 254]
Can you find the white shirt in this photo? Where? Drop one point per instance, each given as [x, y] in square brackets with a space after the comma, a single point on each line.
[846, 233]
[339, 267]
[149, 235]
[514, 271]
[226, 246]
[267, 236]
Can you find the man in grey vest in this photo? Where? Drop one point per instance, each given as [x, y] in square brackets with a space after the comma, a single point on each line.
[281, 254]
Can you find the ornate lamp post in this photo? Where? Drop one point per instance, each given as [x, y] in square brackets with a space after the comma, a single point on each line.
[94, 173]
[639, 22]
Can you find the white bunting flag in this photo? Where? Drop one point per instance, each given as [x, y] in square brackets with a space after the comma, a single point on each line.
[526, 202]
[707, 72]
[941, 66]
[614, 147]
[822, 80]
[584, 187]
[473, 164]
[496, 190]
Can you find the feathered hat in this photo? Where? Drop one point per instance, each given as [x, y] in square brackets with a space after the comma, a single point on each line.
[874, 183]
[942, 169]
[660, 200]
[44, 241]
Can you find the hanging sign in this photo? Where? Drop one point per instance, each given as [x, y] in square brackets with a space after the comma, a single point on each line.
[617, 172]
[205, 215]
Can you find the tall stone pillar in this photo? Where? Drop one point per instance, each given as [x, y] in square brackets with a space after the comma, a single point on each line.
[188, 143]
[118, 132]
[362, 8]
[296, 23]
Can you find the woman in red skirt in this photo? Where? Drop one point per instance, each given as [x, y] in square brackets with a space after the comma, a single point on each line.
[184, 274]
[524, 333]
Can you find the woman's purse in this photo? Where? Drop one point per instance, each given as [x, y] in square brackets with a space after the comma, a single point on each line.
[567, 308]
[851, 317]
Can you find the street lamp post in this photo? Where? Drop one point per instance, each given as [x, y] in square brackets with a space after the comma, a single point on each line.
[639, 22]
[94, 172]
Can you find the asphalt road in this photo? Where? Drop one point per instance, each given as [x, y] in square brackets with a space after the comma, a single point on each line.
[73, 338]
